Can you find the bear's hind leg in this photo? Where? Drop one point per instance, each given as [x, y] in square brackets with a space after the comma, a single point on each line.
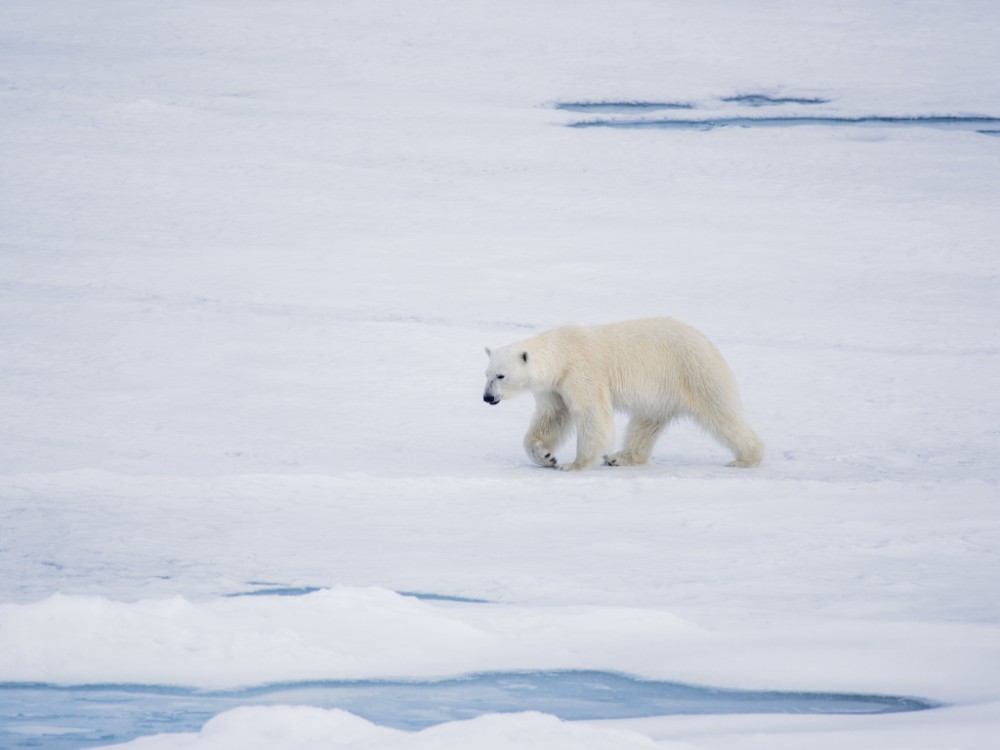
[548, 428]
[639, 441]
[750, 451]
[730, 430]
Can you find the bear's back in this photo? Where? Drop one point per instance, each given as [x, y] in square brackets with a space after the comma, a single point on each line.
[651, 362]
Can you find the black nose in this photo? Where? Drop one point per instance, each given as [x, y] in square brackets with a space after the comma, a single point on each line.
[489, 399]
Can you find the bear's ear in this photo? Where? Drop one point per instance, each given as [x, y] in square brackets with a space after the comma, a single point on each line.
[524, 357]
[488, 352]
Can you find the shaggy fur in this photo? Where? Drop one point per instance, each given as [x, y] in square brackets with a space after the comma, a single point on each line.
[654, 370]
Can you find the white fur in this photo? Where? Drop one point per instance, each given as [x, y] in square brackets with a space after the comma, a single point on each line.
[655, 370]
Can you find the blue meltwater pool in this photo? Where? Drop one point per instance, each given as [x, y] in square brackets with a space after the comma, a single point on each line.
[61, 718]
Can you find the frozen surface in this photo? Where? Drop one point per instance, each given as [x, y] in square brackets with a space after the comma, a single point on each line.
[981, 125]
[250, 255]
[99, 714]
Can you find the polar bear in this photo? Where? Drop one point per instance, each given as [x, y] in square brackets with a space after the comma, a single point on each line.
[655, 370]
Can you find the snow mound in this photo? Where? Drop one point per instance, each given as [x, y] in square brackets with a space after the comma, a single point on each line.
[303, 728]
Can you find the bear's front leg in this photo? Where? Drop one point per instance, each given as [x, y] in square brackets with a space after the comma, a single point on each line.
[548, 427]
[642, 434]
[595, 427]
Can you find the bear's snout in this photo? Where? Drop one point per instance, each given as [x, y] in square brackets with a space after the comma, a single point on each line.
[490, 399]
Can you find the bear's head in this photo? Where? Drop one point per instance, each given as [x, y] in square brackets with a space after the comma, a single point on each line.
[507, 374]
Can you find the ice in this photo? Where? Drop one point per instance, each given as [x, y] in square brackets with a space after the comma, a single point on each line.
[118, 713]
[250, 255]
[307, 728]
[981, 125]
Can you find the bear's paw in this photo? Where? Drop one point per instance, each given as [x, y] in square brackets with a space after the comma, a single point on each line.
[622, 458]
[541, 456]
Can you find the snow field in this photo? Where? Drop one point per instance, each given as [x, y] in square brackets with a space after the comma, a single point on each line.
[250, 254]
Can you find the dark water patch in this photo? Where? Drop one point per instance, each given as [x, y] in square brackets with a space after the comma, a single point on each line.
[969, 124]
[278, 591]
[442, 597]
[762, 100]
[36, 715]
[631, 107]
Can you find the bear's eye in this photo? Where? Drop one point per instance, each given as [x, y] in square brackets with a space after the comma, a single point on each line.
[500, 377]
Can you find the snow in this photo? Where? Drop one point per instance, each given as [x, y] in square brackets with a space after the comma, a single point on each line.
[307, 728]
[250, 255]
